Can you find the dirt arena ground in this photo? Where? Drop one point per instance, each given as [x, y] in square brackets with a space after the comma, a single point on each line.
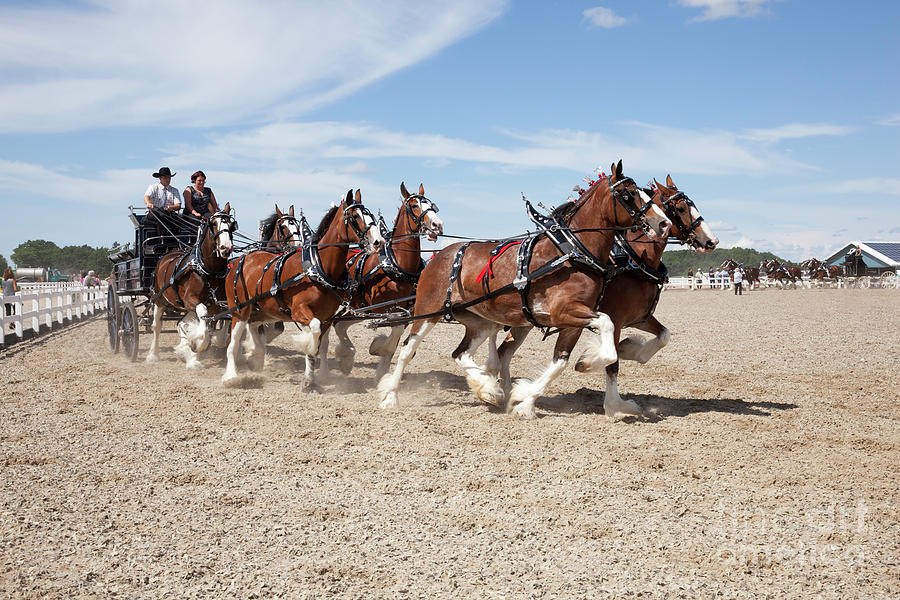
[766, 467]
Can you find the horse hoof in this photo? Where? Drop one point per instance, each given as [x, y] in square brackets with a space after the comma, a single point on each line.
[195, 365]
[582, 367]
[345, 366]
[524, 413]
[152, 358]
[390, 401]
[311, 387]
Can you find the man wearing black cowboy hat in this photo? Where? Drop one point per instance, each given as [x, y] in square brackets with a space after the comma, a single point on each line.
[163, 195]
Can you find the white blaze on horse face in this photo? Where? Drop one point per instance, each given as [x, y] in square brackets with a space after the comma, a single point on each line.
[373, 234]
[655, 217]
[224, 245]
[434, 226]
[706, 239]
[293, 229]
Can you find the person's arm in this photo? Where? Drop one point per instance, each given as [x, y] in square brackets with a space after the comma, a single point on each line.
[212, 200]
[189, 206]
[15, 285]
[176, 206]
[147, 202]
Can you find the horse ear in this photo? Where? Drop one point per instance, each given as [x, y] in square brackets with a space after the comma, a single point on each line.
[349, 198]
[358, 197]
[227, 207]
[278, 211]
[291, 210]
[619, 170]
[658, 184]
[612, 170]
[669, 181]
[403, 191]
[421, 190]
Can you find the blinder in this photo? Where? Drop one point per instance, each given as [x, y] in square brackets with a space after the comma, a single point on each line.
[672, 214]
[351, 221]
[626, 197]
[432, 207]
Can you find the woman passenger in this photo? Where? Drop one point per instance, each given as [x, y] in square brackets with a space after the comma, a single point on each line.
[199, 200]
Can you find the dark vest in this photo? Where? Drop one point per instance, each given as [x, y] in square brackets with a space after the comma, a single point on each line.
[200, 201]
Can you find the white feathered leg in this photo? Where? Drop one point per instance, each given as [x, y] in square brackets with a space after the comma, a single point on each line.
[484, 385]
[601, 349]
[237, 332]
[513, 342]
[633, 349]
[387, 387]
[257, 357]
[526, 392]
[385, 346]
[613, 403]
[153, 354]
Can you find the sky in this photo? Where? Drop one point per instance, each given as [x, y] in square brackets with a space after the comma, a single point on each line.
[779, 118]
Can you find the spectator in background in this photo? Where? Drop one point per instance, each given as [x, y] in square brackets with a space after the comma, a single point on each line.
[738, 282]
[91, 280]
[10, 288]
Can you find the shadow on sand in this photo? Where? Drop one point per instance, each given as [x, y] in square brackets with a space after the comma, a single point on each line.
[659, 408]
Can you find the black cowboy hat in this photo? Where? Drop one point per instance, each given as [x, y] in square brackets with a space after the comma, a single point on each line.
[164, 172]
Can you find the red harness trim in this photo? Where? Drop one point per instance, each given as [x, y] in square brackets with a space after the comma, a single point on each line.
[487, 269]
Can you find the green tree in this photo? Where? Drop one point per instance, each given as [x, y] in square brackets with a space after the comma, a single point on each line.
[37, 253]
[3, 264]
[679, 261]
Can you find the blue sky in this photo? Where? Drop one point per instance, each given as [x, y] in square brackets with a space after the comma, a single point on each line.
[781, 119]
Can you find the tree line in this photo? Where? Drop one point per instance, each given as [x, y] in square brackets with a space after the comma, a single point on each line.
[70, 260]
[680, 261]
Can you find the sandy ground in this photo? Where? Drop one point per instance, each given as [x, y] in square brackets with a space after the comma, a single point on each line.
[767, 466]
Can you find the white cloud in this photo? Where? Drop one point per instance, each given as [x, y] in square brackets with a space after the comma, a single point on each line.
[714, 10]
[891, 121]
[600, 16]
[795, 131]
[105, 63]
[645, 147]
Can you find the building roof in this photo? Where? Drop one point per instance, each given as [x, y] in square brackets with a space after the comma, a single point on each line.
[890, 250]
[887, 254]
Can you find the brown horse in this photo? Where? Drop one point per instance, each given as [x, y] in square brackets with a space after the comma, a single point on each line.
[630, 297]
[192, 281]
[547, 287]
[388, 275]
[782, 274]
[306, 285]
[820, 272]
[280, 230]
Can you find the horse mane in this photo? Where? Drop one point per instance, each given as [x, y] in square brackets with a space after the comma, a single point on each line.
[267, 227]
[326, 221]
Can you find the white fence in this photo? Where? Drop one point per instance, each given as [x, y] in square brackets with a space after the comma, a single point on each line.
[723, 283]
[49, 305]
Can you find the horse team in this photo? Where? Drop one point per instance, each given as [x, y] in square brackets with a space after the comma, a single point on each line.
[594, 263]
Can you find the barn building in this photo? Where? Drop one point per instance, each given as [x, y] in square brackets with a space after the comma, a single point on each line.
[878, 257]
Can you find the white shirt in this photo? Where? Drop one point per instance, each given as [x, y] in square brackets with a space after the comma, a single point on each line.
[738, 276]
[162, 196]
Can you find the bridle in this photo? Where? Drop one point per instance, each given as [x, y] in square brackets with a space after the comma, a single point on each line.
[351, 222]
[281, 226]
[670, 210]
[221, 218]
[411, 214]
[626, 197]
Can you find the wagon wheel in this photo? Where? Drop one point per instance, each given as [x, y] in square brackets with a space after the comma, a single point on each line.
[888, 279]
[112, 318]
[129, 331]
